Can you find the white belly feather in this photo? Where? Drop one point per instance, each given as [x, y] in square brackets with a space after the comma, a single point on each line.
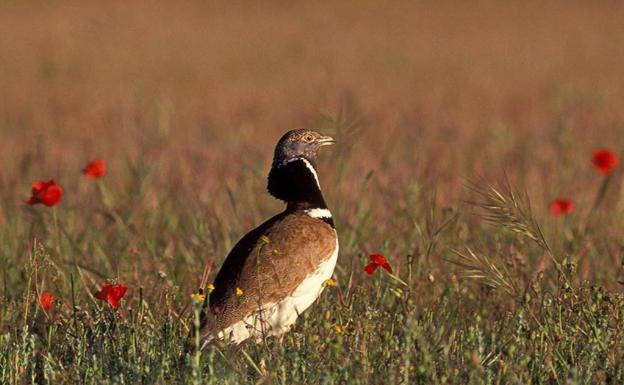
[276, 318]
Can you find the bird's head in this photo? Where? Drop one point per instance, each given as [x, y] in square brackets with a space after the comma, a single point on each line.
[300, 143]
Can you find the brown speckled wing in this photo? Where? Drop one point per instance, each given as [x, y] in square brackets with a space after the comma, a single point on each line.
[269, 272]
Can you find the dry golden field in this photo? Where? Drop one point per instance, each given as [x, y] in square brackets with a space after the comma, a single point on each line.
[185, 101]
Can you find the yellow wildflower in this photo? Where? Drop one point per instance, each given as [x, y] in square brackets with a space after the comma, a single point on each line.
[210, 288]
[198, 297]
[239, 292]
[339, 329]
[329, 283]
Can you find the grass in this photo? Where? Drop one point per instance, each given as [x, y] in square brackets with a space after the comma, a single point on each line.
[457, 124]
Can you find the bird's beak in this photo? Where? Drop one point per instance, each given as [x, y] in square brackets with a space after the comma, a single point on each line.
[326, 141]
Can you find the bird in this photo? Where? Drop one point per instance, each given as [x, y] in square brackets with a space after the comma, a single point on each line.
[277, 270]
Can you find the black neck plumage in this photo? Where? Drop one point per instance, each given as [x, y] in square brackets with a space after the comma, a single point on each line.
[296, 183]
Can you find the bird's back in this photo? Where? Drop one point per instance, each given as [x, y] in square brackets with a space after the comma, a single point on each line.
[277, 268]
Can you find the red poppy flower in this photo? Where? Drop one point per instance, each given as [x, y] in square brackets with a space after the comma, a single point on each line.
[95, 169]
[45, 300]
[560, 207]
[49, 193]
[605, 160]
[377, 260]
[111, 294]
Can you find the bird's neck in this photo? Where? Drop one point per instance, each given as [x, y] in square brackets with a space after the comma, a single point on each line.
[296, 183]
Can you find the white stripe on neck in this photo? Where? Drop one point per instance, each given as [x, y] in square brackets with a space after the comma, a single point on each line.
[310, 167]
[319, 213]
[313, 171]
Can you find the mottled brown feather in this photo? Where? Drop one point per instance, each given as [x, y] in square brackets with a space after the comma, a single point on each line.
[268, 272]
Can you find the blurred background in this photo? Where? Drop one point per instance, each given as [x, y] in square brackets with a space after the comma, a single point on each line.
[185, 101]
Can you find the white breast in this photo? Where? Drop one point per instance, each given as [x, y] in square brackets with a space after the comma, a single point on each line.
[276, 318]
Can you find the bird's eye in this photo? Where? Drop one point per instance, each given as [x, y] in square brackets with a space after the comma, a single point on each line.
[308, 138]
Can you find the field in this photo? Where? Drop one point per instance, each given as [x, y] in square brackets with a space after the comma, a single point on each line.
[458, 123]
